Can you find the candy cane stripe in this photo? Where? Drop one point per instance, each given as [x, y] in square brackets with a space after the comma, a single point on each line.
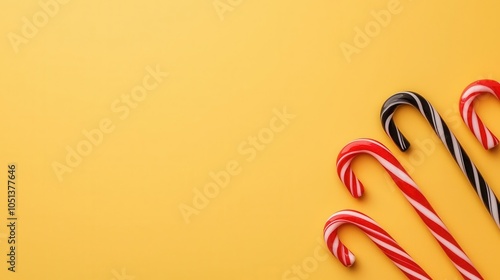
[469, 115]
[412, 193]
[477, 181]
[379, 236]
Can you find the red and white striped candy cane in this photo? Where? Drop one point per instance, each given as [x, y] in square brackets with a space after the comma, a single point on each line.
[379, 236]
[410, 191]
[469, 115]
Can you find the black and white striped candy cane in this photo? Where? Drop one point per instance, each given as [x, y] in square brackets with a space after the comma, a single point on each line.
[426, 109]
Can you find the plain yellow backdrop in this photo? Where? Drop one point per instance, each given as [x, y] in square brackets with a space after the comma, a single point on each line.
[231, 65]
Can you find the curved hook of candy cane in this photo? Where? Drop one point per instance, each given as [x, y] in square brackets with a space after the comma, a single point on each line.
[380, 153]
[378, 235]
[416, 100]
[412, 194]
[469, 115]
[477, 181]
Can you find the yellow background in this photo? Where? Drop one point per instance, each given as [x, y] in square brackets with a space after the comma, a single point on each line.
[119, 209]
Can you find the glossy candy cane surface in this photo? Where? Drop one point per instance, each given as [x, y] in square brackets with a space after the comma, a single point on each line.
[469, 115]
[411, 192]
[379, 236]
[447, 137]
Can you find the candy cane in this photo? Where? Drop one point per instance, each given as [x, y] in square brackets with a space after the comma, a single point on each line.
[462, 159]
[471, 92]
[410, 191]
[379, 236]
